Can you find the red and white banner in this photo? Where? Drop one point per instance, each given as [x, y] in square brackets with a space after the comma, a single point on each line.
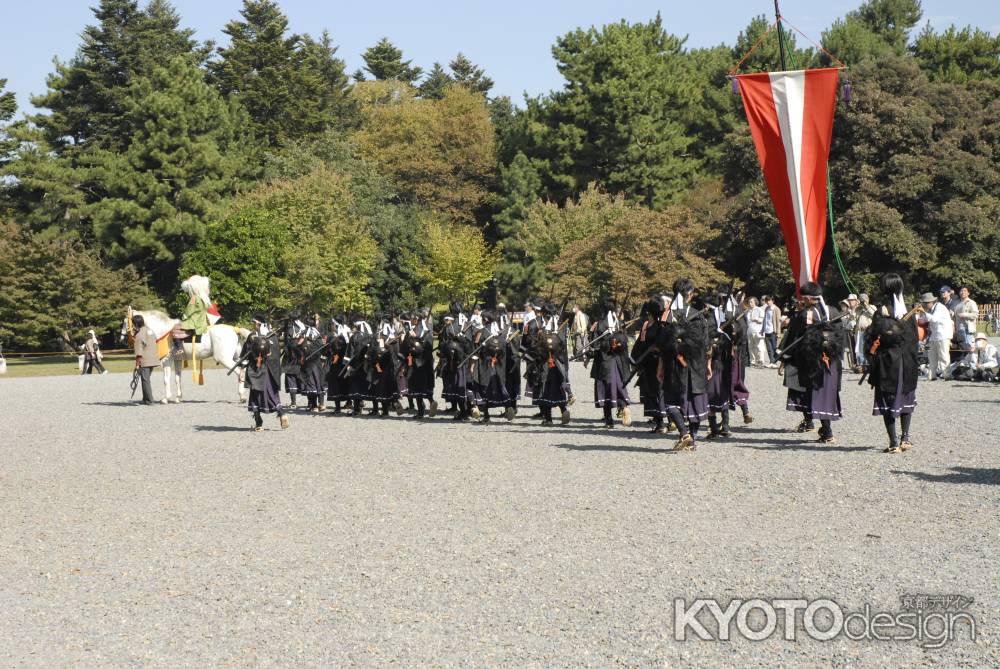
[791, 118]
[213, 314]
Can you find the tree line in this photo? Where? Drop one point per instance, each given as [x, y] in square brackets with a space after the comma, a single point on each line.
[291, 183]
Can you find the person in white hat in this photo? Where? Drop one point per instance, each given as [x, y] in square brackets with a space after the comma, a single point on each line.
[979, 364]
[938, 320]
[92, 355]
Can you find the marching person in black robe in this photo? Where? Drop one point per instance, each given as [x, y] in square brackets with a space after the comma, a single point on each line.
[533, 322]
[417, 352]
[548, 350]
[891, 350]
[727, 329]
[487, 367]
[812, 366]
[454, 345]
[354, 364]
[338, 385]
[314, 367]
[611, 366]
[383, 353]
[684, 347]
[512, 339]
[645, 355]
[294, 355]
[261, 354]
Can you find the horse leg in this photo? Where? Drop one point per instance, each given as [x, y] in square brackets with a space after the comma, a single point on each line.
[166, 367]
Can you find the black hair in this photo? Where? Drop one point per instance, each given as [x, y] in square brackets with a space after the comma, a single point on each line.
[683, 287]
[811, 289]
[138, 321]
[891, 284]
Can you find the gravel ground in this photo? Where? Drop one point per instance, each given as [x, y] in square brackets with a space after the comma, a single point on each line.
[171, 536]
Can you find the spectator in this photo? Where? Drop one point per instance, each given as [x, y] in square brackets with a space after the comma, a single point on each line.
[581, 323]
[865, 313]
[980, 364]
[146, 356]
[848, 326]
[755, 321]
[771, 329]
[92, 355]
[941, 329]
[948, 298]
[966, 317]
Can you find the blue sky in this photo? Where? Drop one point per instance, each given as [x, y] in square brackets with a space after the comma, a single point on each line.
[511, 39]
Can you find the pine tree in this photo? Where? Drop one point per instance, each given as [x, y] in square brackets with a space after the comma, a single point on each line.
[520, 187]
[8, 107]
[619, 119]
[86, 95]
[466, 73]
[385, 61]
[291, 85]
[181, 160]
[433, 85]
[319, 60]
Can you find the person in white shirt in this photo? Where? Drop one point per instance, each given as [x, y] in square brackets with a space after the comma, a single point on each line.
[771, 329]
[980, 364]
[941, 329]
[578, 330]
[966, 316]
[755, 334]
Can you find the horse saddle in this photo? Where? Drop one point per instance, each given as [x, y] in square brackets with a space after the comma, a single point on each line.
[179, 334]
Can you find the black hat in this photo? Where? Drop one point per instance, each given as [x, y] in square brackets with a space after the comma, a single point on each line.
[260, 318]
[811, 289]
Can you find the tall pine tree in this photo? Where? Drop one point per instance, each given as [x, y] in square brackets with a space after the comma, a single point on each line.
[290, 85]
[159, 192]
[8, 107]
[385, 61]
[466, 73]
[619, 119]
[433, 85]
[86, 96]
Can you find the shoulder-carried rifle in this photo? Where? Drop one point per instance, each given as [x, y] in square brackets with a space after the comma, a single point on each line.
[595, 340]
[246, 355]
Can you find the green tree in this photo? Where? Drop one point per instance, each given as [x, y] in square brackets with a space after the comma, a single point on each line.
[466, 73]
[8, 107]
[50, 184]
[617, 120]
[385, 61]
[433, 85]
[291, 85]
[767, 56]
[875, 29]
[459, 263]
[289, 244]
[520, 187]
[87, 95]
[334, 108]
[55, 289]
[439, 153]
[958, 56]
[183, 158]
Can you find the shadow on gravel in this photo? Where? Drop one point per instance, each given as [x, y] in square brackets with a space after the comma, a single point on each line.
[790, 445]
[612, 448]
[619, 432]
[220, 428]
[959, 475]
[155, 402]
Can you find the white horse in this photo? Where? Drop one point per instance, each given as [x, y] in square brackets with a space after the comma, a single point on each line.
[221, 343]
